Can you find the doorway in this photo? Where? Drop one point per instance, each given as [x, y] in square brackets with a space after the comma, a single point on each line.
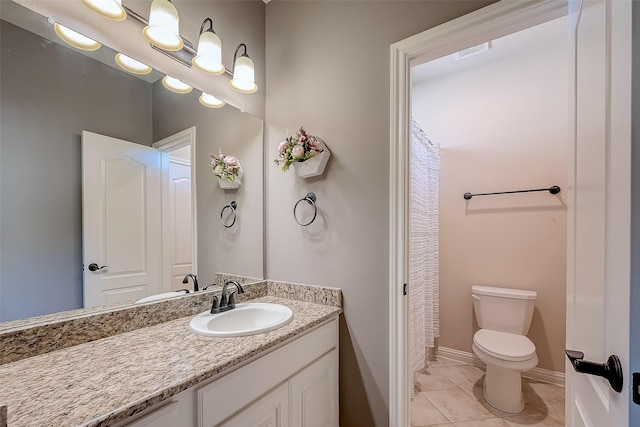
[497, 114]
[499, 117]
[590, 397]
[179, 208]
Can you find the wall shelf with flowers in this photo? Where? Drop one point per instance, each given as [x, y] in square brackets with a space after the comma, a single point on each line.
[227, 169]
[306, 152]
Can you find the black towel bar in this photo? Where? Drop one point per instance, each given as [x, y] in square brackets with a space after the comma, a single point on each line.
[553, 190]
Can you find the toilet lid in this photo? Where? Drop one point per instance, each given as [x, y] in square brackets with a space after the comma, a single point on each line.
[505, 346]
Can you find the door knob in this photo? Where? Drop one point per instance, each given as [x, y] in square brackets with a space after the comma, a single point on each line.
[611, 370]
[94, 267]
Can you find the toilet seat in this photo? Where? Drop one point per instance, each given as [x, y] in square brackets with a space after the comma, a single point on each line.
[504, 346]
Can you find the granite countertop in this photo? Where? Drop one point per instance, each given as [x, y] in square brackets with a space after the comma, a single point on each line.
[105, 381]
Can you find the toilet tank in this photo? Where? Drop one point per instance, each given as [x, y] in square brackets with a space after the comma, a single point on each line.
[503, 309]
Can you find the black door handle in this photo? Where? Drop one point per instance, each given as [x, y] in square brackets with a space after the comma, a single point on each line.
[94, 267]
[612, 370]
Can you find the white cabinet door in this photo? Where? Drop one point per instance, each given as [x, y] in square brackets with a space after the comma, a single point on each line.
[271, 410]
[314, 393]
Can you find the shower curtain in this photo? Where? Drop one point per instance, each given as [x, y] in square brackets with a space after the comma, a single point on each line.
[424, 324]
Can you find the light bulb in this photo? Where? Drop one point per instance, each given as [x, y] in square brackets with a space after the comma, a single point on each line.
[243, 75]
[163, 30]
[75, 39]
[111, 9]
[209, 56]
[210, 101]
[131, 65]
[175, 85]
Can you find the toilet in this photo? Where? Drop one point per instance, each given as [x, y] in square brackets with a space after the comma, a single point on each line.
[504, 316]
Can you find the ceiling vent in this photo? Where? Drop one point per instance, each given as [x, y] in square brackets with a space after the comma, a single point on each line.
[470, 51]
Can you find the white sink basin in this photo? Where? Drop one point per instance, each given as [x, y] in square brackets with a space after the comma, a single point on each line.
[245, 319]
[158, 297]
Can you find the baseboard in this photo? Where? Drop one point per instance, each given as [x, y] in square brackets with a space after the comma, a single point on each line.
[538, 374]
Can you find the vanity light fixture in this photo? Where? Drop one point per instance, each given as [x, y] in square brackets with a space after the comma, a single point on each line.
[75, 39]
[243, 72]
[175, 85]
[209, 55]
[111, 9]
[131, 65]
[163, 30]
[211, 101]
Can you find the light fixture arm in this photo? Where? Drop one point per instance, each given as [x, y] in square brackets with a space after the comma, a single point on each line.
[208, 20]
[235, 55]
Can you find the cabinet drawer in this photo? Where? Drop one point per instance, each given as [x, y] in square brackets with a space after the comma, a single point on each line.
[224, 397]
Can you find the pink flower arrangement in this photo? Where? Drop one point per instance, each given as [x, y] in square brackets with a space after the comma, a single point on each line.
[226, 167]
[298, 148]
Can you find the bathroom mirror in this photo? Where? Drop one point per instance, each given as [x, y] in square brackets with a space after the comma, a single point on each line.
[49, 94]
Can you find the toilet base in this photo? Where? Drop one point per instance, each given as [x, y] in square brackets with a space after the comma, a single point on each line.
[503, 389]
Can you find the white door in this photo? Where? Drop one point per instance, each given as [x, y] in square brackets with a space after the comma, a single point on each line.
[121, 220]
[599, 212]
[178, 239]
[179, 219]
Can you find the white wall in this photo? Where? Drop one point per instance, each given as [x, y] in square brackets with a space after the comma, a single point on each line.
[328, 69]
[502, 126]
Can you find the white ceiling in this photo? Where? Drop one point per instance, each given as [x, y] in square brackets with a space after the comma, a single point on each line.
[499, 49]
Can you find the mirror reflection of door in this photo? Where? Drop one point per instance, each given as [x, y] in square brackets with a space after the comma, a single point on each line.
[177, 239]
[121, 220]
[139, 228]
[179, 225]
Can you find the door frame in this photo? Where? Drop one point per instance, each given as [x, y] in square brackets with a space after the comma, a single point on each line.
[181, 139]
[494, 21]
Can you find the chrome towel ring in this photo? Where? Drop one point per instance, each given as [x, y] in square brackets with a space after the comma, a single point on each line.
[233, 206]
[310, 198]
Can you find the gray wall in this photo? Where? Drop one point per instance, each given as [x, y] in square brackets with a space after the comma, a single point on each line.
[237, 250]
[49, 94]
[328, 69]
[235, 22]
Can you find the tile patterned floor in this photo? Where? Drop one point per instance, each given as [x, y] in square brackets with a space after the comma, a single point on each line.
[449, 393]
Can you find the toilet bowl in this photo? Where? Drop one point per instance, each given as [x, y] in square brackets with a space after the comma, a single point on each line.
[506, 356]
[504, 316]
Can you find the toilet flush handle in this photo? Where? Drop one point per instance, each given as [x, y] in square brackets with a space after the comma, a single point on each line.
[475, 297]
[611, 370]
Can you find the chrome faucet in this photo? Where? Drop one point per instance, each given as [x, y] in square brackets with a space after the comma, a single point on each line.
[194, 277]
[227, 300]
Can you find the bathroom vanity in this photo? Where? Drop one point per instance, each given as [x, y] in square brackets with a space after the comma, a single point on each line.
[165, 375]
[294, 385]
